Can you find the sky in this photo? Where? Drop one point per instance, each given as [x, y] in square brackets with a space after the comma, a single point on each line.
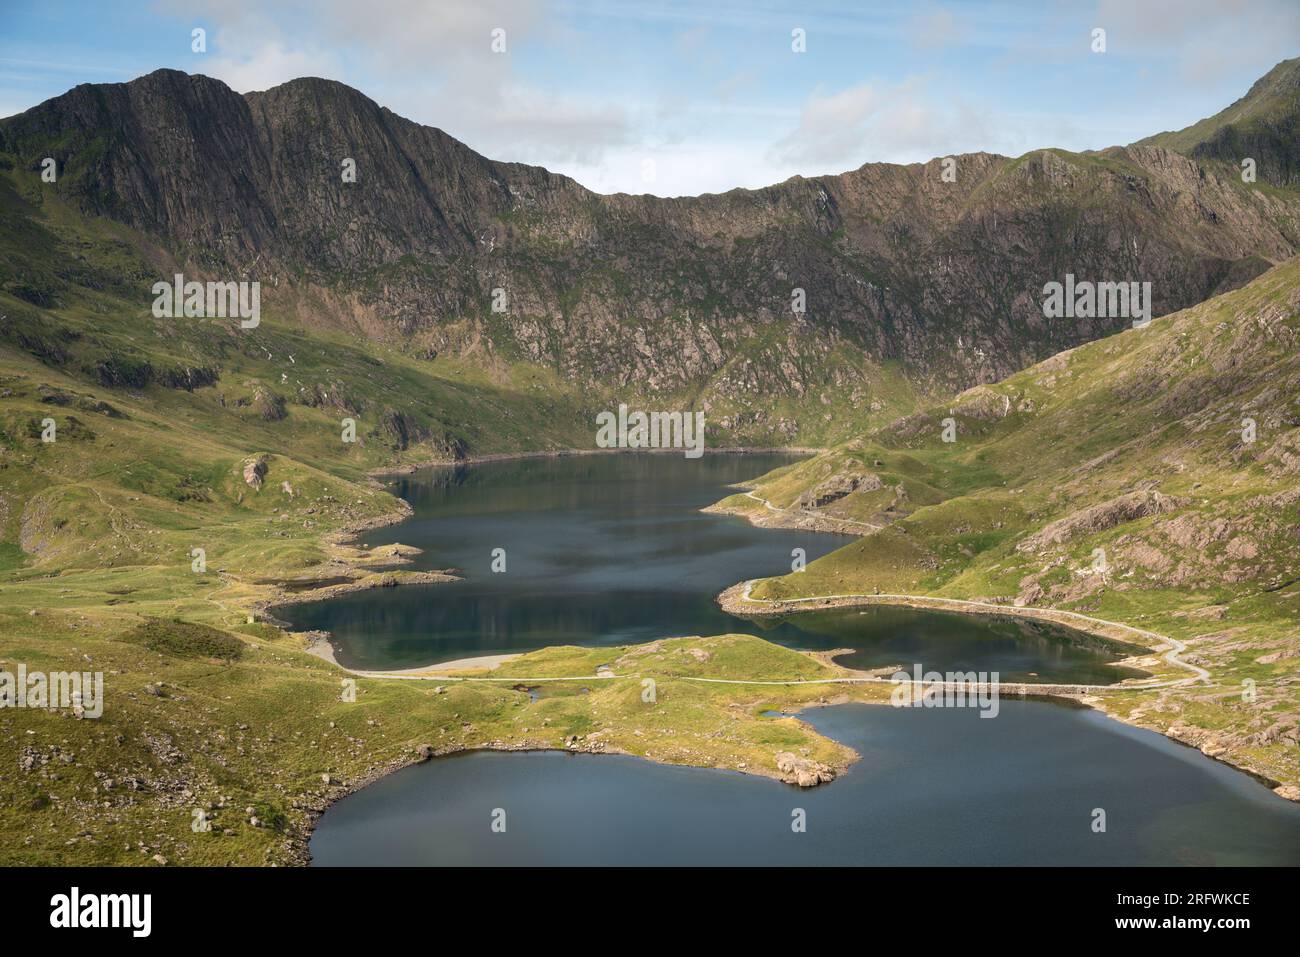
[680, 97]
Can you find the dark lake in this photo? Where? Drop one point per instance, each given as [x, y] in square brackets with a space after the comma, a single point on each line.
[613, 550]
[934, 786]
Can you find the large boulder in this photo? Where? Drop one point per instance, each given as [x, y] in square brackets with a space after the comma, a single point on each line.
[802, 771]
[838, 486]
[255, 470]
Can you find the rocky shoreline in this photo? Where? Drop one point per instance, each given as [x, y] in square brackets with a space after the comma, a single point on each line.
[795, 771]
[764, 517]
[350, 568]
[788, 768]
[1205, 741]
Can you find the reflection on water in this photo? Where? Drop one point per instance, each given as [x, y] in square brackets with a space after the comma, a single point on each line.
[933, 786]
[613, 550]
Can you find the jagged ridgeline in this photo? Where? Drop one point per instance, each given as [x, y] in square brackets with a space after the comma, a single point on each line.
[382, 285]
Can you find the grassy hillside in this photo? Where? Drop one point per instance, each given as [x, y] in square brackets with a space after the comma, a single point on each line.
[171, 435]
[1261, 125]
[249, 745]
[175, 435]
[1149, 478]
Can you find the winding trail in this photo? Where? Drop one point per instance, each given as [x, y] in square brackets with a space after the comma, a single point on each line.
[1176, 647]
[811, 514]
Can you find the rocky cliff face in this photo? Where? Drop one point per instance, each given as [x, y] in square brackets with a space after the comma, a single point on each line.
[1263, 126]
[691, 296]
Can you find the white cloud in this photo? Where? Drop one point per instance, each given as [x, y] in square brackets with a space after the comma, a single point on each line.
[902, 123]
[432, 62]
[682, 170]
[1208, 39]
[540, 128]
[268, 65]
[934, 29]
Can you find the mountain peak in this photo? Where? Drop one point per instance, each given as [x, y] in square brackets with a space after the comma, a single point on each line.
[314, 179]
[1263, 125]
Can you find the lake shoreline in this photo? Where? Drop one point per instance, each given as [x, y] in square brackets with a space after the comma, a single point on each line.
[732, 600]
[320, 647]
[358, 572]
[419, 756]
[806, 713]
[342, 543]
[389, 471]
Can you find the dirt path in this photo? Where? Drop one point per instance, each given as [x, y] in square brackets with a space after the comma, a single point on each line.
[438, 672]
[1176, 647]
[811, 514]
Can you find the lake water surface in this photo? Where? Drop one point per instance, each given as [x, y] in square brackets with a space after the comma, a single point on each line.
[933, 786]
[613, 550]
[607, 550]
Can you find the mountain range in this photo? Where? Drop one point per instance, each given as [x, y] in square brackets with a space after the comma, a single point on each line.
[979, 450]
[915, 286]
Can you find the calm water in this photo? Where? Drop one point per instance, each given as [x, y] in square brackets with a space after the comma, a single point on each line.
[933, 787]
[612, 550]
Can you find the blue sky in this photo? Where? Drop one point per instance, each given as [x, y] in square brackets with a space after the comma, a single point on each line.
[678, 98]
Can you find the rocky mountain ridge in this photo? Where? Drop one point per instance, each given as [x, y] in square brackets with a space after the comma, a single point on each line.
[690, 297]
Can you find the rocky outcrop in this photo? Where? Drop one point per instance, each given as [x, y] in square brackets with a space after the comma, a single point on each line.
[940, 279]
[268, 405]
[839, 486]
[802, 771]
[255, 471]
[1099, 517]
[983, 404]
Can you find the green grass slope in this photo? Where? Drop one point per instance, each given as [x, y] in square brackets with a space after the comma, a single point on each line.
[1261, 125]
[157, 427]
[1151, 478]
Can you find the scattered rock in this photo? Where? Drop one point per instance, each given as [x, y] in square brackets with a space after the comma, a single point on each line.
[839, 486]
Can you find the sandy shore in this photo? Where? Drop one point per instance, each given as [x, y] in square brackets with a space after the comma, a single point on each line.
[443, 667]
[318, 644]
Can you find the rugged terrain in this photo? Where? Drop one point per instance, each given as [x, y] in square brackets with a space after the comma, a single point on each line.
[1151, 478]
[172, 435]
[915, 286]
